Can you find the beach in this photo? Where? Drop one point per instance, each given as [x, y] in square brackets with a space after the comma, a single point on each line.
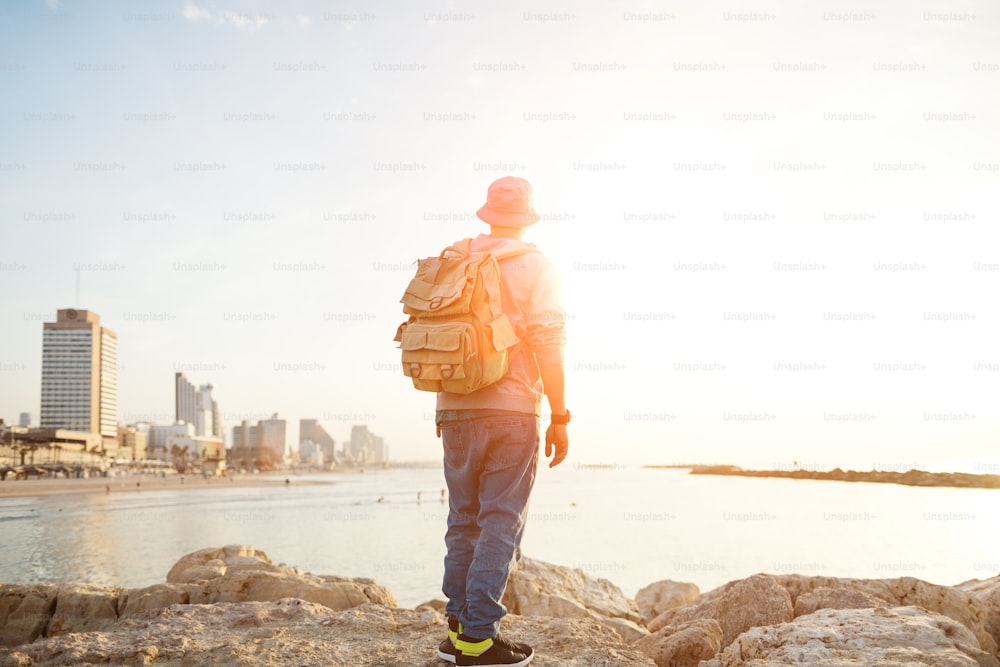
[54, 486]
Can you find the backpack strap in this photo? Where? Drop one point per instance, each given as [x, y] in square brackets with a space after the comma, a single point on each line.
[500, 256]
[515, 252]
[463, 248]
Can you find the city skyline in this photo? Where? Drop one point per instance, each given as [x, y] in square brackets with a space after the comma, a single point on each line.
[194, 397]
[75, 370]
[774, 249]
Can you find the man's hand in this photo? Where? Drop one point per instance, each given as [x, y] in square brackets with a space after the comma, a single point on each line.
[556, 436]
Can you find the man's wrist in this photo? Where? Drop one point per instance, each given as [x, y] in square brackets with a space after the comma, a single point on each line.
[561, 419]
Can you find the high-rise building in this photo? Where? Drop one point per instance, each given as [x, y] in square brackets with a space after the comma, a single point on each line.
[271, 436]
[312, 430]
[80, 374]
[244, 436]
[24, 419]
[243, 453]
[184, 399]
[365, 447]
[207, 421]
[196, 406]
[262, 446]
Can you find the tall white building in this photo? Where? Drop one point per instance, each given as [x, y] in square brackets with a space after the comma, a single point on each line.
[196, 406]
[207, 421]
[79, 374]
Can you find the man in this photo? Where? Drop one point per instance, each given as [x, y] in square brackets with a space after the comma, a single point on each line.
[490, 439]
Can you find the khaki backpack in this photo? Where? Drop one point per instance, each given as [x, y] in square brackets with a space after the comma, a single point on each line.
[457, 338]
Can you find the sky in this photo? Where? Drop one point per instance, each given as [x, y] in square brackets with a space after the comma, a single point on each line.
[776, 224]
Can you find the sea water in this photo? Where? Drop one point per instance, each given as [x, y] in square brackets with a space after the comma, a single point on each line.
[630, 525]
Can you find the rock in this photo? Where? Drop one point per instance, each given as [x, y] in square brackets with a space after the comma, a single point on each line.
[628, 630]
[955, 603]
[799, 584]
[137, 601]
[976, 605]
[536, 588]
[888, 637]
[835, 598]
[684, 645]
[737, 606]
[233, 606]
[199, 565]
[986, 595]
[210, 570]
[25, 611]
[81, 608]
[966, 607]
[372, 591]
[237, 573]
[228, 574]
[432, 605]
[294, 632]
[256, 586]
[660, 596]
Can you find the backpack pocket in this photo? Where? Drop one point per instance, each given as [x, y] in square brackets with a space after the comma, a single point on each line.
[441, 287]
[434, 355]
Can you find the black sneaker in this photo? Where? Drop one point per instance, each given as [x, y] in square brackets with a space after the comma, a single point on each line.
[447, 650]
[495, 652]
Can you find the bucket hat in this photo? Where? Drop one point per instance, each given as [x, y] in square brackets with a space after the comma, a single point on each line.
[508, 203]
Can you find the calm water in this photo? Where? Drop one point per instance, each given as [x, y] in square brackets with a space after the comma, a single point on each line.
[629, 525]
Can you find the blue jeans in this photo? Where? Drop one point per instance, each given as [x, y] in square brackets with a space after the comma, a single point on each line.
[489, 465]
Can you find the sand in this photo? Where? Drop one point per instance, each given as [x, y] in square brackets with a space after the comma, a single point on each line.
[47, 486]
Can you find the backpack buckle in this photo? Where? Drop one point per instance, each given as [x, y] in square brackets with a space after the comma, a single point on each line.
[415, 370]
[447, 371]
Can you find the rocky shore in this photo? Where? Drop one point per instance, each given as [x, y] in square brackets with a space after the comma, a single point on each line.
[234, 606]
[908, 478]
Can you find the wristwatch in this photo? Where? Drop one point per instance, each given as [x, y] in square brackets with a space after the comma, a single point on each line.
[561, 419]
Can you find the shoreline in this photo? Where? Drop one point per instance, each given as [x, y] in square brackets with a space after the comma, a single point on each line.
[957, 480]
[138, 483]
[57, 486]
